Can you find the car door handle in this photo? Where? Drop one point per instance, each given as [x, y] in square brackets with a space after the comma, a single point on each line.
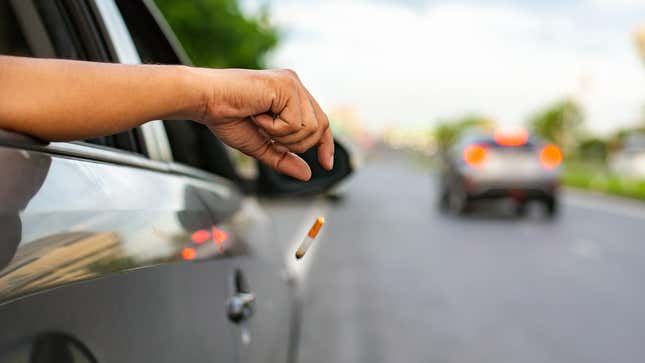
[240, 307]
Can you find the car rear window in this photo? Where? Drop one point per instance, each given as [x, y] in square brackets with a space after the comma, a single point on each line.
[491, 143]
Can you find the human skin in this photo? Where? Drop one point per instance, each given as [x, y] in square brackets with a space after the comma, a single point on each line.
[267, 114]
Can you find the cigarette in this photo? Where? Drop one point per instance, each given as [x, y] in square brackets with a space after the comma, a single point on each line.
[309, 238]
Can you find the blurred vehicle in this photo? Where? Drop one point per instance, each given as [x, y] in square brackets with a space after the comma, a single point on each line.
[630, 160]
[508, 163]
[148, 245]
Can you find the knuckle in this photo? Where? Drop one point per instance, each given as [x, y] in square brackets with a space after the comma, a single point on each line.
[311, 129]
[294, 126]
[278, 160]
[324, 122]
[290, 82]
[261, 150]
[299, 148]
[290, 72]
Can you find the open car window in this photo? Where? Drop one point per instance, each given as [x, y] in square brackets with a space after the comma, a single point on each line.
[191, 143]
[60, 29]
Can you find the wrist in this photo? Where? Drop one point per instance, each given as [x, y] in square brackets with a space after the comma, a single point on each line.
[192, 93]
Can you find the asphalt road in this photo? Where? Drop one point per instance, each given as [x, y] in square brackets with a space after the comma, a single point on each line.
[394, 280]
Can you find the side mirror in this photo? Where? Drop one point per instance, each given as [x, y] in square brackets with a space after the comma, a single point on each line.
[273, 183]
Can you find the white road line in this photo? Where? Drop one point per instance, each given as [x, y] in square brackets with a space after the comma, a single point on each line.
[617, 206]
[585, 249]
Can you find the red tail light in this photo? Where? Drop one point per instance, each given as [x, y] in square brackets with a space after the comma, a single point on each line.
[511, 136]
[551, 156]
[188, 253]
[475, 155]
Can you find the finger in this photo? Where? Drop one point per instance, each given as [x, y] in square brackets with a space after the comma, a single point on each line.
[287, 163]
[310, 123]
[274, 125]
[297, 137]
[306, 117]
[326, 143]
[247, 138]
[287, 105]
[301, 146]
[326, 150]
[282, 160]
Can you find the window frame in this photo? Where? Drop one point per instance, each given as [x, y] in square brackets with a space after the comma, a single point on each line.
[76, 29]
[121, 47]
[193, 145]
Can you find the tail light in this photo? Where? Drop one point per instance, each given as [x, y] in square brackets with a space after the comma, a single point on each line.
[511, 136]
[551, 156]
[475, 155]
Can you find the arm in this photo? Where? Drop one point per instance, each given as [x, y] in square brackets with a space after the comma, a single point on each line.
[265, 114]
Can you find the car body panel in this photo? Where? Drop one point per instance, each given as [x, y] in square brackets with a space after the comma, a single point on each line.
[76, 222]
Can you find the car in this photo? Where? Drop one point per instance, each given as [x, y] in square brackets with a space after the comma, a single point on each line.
[149, 245]
[504, 163]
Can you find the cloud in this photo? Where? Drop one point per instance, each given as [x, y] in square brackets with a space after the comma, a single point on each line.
[413, 65]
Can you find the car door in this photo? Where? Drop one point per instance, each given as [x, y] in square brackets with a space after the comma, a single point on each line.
[103, 242]
[266, 336]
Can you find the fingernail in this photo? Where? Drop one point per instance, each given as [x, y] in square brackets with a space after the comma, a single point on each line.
[296, 167]
[331, 162]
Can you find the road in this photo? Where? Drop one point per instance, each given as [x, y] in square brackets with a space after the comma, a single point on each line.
[394, 280]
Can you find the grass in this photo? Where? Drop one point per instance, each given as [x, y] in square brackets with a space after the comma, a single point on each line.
[596, 177]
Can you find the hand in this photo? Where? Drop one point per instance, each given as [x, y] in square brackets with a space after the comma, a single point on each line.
[268, 115]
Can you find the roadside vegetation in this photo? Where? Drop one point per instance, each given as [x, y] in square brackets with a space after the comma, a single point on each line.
[219, 34]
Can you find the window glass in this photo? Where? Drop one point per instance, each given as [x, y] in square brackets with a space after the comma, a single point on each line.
[12, 39]
[191, 143]
[61, 29]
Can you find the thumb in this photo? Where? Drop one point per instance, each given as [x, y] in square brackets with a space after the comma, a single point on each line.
[281, 159]
[248, 138]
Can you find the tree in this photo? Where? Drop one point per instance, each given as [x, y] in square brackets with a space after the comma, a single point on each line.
[448, 131]
[216, 33]
[593, 149]
[559, 123]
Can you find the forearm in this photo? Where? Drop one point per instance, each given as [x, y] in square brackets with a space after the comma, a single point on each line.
[51, 99]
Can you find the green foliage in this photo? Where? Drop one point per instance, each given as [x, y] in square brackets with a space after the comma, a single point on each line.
[594, 177]
[216, 33]
[448, 131]
[593, 149]
[559, 123]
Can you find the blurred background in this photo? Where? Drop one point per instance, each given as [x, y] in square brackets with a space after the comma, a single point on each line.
[412, 73]
[422, 90]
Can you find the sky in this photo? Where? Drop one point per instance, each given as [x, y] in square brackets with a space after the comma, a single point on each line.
[410, 63]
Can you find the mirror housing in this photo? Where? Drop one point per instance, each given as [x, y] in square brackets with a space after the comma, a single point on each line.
[273, 183]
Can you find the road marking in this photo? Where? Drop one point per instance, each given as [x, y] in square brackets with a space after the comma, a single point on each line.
[616, 206]
[585, 248]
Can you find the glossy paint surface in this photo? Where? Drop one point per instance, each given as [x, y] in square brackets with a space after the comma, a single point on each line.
[66, 219]
[88, 245]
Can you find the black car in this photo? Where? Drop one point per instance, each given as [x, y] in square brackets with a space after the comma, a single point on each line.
[148, 245]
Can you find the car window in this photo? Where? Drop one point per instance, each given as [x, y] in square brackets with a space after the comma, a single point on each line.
[191, 143]
[59, 29]
[12, 39]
